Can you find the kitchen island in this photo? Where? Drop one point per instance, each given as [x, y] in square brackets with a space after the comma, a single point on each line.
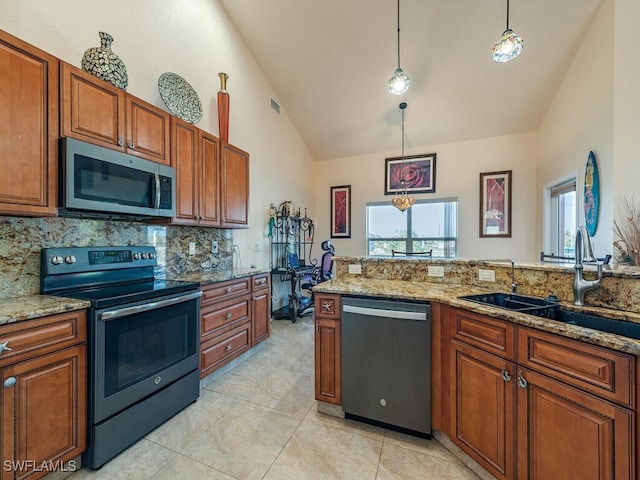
[505, 383]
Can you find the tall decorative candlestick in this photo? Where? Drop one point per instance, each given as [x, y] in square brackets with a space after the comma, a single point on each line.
[223, 107]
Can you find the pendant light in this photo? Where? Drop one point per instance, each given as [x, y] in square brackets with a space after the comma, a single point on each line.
[403, 201]
[509, 46]
[399, 82]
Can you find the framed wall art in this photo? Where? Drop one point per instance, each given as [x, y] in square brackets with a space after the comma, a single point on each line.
[418, 171]
[495, 204]
[341, 211]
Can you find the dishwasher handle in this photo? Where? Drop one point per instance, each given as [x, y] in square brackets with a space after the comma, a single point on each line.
[378, 312]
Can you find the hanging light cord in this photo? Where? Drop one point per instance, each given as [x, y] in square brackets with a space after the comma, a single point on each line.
[507, 14]
[403, 105]
[399, 33]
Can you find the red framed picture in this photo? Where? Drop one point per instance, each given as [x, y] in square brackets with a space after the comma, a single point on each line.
[341, 211]
[495, 204]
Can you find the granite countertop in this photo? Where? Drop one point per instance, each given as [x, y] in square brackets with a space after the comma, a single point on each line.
[448, 294]
[205, 278]
[25, 308]
[18, 309]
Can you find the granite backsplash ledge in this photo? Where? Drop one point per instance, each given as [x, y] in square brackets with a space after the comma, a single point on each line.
[620, 287]
[22, 239]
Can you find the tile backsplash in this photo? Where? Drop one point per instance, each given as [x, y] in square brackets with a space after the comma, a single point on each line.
[22, 239]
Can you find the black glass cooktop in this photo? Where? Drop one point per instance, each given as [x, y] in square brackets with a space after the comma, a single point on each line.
[104, 296]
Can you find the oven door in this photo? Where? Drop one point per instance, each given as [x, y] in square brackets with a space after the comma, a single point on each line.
[141, 348]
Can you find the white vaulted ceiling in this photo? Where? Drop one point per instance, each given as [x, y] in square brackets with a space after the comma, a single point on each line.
[328, 62]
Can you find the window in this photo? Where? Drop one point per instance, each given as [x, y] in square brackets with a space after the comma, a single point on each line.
[563, 218]
[428, 225]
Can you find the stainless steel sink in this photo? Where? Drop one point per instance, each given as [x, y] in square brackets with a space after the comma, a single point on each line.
[596, 322]
[512, 301]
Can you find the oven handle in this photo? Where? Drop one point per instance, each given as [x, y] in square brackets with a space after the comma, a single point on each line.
[123, 312]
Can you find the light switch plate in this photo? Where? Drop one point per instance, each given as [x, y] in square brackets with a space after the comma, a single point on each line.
[214, 246]
[192, 248]
[487, 275]
[435, 271]
[355, 268]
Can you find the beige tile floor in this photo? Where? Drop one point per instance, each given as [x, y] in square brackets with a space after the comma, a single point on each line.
[259, 421]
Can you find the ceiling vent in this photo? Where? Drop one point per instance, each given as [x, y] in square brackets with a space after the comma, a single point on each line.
[275, 106]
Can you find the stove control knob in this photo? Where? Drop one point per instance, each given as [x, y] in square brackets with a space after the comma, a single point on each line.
[152, 255]
[136, 256]
[144, 255]
[57, 260]
[69, 259]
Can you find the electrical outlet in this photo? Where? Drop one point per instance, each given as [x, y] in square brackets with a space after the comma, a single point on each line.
[435, 271]
[258, 247]
[214, 247]
[487, 275]
[355, 268]
[192, 248]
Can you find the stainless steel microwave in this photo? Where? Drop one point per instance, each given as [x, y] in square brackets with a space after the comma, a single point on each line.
[112, 183]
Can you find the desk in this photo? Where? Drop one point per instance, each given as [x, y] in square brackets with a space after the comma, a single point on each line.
[298, 302]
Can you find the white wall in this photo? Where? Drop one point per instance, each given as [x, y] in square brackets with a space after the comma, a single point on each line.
[626, 119]
[458, 168]
[580, 119]
[196, 40]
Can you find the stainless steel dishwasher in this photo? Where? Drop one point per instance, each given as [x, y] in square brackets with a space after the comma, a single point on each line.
[386, 364]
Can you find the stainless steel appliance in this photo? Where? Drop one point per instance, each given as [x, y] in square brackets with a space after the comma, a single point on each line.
[386, 364]
[143, 340]
[97, 179]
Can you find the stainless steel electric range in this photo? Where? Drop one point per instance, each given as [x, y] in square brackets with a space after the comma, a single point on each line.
[143, 340]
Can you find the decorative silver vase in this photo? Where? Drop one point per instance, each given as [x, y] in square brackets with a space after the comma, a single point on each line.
[103, 63]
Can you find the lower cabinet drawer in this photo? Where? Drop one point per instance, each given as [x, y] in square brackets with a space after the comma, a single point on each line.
[223, 348]
[216, 320]
[606, 373]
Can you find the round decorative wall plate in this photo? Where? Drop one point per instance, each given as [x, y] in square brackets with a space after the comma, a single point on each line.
[591, 194]
[180, 97]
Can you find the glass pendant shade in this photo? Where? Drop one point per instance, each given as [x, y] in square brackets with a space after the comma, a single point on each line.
[508, 47]
[399, 83]
[403, 202]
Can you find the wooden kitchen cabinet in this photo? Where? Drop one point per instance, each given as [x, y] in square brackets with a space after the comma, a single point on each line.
[195, 157]
[534, 405]
[566, 433]
[483, 392]
[234, 318]
[97, 112]
[260, 309]
[44, 393]
[328, 342]
[28, 129]
[234, 181]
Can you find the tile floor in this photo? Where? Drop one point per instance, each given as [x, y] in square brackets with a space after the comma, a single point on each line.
[259, 421]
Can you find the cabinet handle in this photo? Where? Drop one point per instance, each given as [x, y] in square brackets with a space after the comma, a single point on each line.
[227, 348]
[505, 376]
[228, 290]
[131, 145]
[3, 347]
[120, 142]
[228, 316]
[522, 383]
[10, 382]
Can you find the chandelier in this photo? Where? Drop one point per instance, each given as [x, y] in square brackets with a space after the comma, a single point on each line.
[403, 201]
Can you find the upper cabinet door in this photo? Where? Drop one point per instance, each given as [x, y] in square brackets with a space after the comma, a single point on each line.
[209, 180]
[234, 181]
[28, 129]
[147, 131]
[185, 160]
[92, 109]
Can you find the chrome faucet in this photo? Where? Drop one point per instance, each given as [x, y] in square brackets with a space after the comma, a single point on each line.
[514, 285]
[584, 254]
